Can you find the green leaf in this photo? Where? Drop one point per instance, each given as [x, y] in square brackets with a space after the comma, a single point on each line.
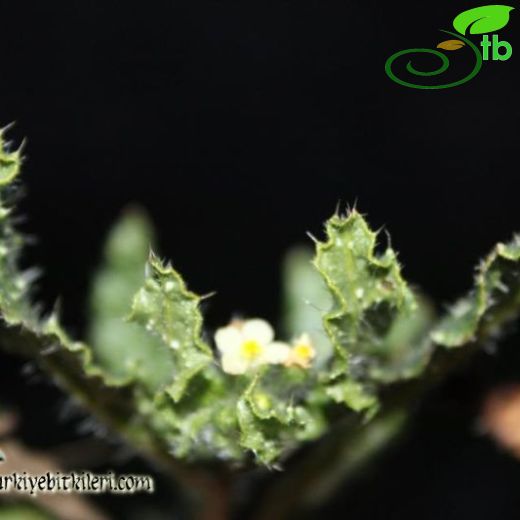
[202, 425]
[171, 313]
[272, 422]
[305, 299]
[124, 349]
[353, 394]
[369, 298]
[481, 20]
[9, 162]
[193, 411]
[185, 402]
[494, 301]
[14, 285]
[407, 348]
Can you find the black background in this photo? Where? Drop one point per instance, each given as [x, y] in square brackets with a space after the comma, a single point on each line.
[239, 126]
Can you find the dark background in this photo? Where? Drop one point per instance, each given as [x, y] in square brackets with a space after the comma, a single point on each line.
[239, 126]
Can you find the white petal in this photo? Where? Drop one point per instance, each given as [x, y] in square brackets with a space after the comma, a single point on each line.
[228, 339]
[233, 364]
[276, 353]
[304, 339]
[258, 330]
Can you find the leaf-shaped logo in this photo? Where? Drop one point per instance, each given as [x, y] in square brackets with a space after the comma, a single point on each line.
[481, 20]
[451, 45]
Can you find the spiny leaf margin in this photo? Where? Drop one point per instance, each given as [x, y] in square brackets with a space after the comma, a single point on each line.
[370, 297]
[493, 302]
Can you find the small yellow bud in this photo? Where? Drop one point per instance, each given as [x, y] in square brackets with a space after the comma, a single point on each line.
[302, 352]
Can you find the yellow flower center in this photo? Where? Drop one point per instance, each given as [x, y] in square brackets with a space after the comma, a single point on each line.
[303, 352]
[301, 355]
[251, 349]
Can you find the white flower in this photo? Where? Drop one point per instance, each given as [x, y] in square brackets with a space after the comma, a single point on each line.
[302, 352]
[245, 345]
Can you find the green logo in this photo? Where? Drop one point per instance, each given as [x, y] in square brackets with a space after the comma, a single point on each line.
[481, 20]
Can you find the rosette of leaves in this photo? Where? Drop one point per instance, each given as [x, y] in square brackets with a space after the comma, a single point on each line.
[151, 372]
